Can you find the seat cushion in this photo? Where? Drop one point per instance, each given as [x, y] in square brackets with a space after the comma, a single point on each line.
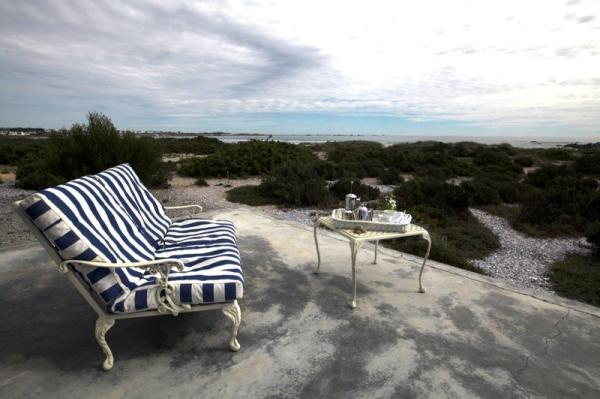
[82, 220]
[195, 232]
[212, 272]
[146, 212]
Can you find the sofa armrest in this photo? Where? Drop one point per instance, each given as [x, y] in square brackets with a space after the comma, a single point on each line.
[166, 264]
[194, 207]
[162, 267]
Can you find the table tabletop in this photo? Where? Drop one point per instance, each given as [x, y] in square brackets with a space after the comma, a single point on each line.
[411, 230]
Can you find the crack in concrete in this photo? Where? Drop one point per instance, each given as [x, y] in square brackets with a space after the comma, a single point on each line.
[558, 332]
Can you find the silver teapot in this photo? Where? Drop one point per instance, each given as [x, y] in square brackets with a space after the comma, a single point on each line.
[352, 202]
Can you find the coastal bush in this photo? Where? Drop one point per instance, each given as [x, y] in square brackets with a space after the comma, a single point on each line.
[431, 192]
[465, 149]
[198, 145]
[249, 195]
[34, 173]
[390, 176]
[246, 159]
[490, 157]
[542, 177]
[344, 186]
[352, 151]
[524, 161]
[512, 192]
[456, 240]
[560, 204]
[87, 149]
[588, 164]
[506, 148]
[556, 154]
[481, 192]
[577, 277]
[592, 235]
[296, 183]
[14, 149]
[591, 210]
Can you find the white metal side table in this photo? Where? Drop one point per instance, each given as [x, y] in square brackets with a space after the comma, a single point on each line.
[357, 240]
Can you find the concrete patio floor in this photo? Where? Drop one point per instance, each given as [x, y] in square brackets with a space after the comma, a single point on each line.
[468, 336]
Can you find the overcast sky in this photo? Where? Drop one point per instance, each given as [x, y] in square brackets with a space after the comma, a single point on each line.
[515, 68]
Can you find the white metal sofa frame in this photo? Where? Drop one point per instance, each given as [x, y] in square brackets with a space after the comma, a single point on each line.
[166, 304]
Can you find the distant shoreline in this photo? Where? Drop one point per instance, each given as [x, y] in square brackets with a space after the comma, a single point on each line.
[315, 138]
[521, 142]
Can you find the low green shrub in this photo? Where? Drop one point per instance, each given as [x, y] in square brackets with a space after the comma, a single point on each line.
[344, 186]
[249, 195]
[481, 192]
[14, 149]
[296, 183]
[524, 161]
[246, 159]
[556, 154]
[35, 174]
[88, 149]
[577, 277]
[455, 241]
[198, 145]
[489, 157]
[559, 200]
[545, 176]
[592, 235]
[390, 176]
[433, 193]
[588, 164]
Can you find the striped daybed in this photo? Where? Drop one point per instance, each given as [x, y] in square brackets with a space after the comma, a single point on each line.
[127, 258]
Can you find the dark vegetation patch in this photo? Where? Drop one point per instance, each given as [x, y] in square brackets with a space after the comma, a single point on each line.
[199, 145]
[297, 183]
[245, 159]
[442, 208]
[577, 277]
[249, 195]
[86, 149]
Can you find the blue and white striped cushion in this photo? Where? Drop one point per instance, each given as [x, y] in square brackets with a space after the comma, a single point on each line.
[137, 201]
[83, 221]
[212, 272]
[199, 232]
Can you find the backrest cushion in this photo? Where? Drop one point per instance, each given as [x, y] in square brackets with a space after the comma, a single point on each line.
[83, 221]
[147, 213]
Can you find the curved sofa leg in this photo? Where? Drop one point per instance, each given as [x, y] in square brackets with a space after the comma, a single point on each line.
[233, 312]
[102, 327]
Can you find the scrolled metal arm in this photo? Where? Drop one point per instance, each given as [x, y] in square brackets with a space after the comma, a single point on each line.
[162, 267]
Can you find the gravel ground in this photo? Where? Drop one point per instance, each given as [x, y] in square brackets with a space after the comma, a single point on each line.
[183, 191]
[12, 230]
[524, 260]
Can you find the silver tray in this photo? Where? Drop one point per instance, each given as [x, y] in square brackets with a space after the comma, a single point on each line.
[340, 222]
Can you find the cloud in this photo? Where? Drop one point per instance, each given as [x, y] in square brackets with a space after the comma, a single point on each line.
[177, 63]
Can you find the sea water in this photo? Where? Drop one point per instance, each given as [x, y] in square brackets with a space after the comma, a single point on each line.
[523, 142]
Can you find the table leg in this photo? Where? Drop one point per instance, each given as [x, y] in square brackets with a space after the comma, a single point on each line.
[354, 247]
[317, 246]
[428, 239]
[376, 248]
